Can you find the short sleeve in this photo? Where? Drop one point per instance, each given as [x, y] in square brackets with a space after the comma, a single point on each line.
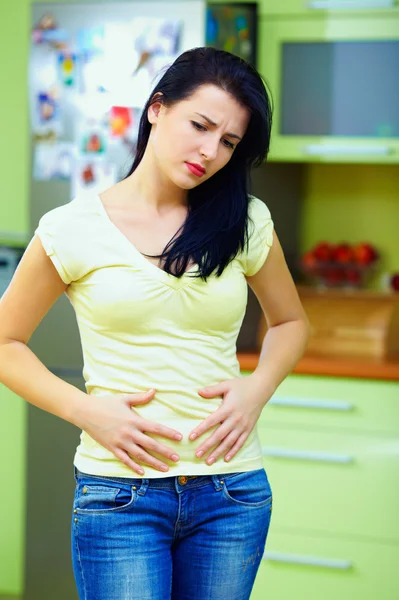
[260, 235]
[58, 232]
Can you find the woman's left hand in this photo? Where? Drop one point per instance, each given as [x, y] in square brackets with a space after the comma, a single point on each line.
[243, 401]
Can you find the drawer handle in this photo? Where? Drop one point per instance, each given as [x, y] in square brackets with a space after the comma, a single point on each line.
[342, 4]
[309, 403]
[314, 561]
[325, 150]
[307, 455]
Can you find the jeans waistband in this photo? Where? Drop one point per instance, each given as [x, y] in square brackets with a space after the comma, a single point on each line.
[159, 482]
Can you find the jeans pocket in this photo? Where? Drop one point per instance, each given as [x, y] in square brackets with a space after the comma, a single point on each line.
[250, 488]
[103, 498]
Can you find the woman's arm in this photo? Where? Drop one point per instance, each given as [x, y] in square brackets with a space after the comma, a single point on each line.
[288, 326]
[245, 397]
[33, 290]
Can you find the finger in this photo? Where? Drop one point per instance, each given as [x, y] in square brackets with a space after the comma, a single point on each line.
[211, 391]
[217, 436]
[239, 444]
[147, 442]
[126, 460]
[140, 398]
[141, 455]
[159, 429]
[214, 419]
[224, 447]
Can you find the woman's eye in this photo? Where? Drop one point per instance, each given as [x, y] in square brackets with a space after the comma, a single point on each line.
[228, 144]
[198, 126]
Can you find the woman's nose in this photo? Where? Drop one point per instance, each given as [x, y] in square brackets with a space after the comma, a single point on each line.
[209, 149]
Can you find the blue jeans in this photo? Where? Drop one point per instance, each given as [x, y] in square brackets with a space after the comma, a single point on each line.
[173, 538]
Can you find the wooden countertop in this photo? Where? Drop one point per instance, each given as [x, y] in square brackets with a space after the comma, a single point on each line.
[358, 367]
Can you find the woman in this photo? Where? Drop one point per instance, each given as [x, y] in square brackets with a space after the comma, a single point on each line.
[172, 500]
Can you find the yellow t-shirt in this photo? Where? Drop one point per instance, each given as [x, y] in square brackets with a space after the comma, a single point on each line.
[142, 328]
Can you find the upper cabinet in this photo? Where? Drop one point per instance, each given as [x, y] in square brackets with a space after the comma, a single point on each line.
[309, 7]
[335, 87]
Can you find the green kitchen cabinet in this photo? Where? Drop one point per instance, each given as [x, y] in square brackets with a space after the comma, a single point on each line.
[338, 481]
[12, 499]
[314, 567]
[330, 448]
[333, 83]
[315, 7]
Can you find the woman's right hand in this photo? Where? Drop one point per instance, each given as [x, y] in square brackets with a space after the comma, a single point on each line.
[111, 421]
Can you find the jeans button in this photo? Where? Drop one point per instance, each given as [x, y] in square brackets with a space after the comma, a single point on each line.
[182, 479]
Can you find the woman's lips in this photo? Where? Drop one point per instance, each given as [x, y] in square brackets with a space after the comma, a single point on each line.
[196, 169]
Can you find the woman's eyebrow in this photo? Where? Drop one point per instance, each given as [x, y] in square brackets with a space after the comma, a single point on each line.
[232, 135]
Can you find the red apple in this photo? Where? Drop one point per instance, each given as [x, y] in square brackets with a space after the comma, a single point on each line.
[342, 253]
[334, 276]
[365, 253]
[323, 251]
[309, 260]
[353, 276]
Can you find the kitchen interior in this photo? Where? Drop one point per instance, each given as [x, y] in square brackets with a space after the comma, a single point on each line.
[330, 434]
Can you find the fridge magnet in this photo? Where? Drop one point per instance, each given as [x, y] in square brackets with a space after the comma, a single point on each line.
[53, 161]
[67, 68]
[46, 113]
[92, 176]
[92, 140]
[46, 31]
[121, 119]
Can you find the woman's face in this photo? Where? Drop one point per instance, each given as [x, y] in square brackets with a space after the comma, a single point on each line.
[196, 137]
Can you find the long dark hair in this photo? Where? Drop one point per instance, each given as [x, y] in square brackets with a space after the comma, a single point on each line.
[216, 227]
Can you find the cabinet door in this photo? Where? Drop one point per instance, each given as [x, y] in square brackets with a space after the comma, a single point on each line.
[12, 499]
[314, 7]
[310, 567]
[366, 406]
[334, 86]
[333, 482]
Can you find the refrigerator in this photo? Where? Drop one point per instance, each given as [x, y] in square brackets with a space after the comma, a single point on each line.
[56, 149]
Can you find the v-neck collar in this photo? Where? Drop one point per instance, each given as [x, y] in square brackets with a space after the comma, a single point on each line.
[166, 278]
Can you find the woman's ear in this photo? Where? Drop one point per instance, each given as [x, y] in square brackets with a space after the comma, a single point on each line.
[155, 108]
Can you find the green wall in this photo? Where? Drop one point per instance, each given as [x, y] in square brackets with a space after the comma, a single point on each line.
[353, 203]
[14, 169]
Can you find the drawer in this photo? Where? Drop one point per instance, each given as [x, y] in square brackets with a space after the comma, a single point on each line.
[331, 482]
[338, 403]
[313, 568]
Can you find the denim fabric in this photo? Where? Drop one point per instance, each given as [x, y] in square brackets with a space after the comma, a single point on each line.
[169, 538]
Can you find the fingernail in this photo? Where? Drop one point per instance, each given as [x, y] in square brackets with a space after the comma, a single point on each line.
[164, 468]
[175, 457]
[210, 461]
[178, 436]
[200, 453]
[193, 436]
[141, 471]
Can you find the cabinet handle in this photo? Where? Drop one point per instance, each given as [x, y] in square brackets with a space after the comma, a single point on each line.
[307, 455]
[333, 150]
[339, 405]
[350, 4]
[300, 559]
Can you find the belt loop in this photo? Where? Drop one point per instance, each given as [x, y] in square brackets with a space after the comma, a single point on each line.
[143, 487]
[216, 482]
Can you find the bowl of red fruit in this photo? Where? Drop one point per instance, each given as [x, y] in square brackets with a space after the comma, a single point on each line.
[340, 265]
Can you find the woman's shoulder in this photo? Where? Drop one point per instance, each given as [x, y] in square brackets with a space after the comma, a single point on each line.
[257, 208]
